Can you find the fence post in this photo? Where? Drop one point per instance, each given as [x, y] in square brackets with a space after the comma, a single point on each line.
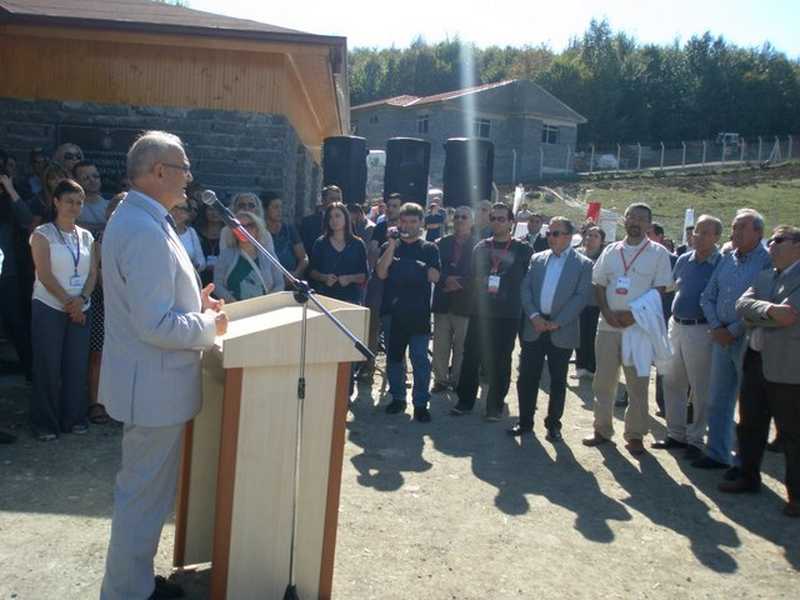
[541, 162]
[662, 156]
[566, 166]
[789, 149]
[683, 156]
[724, 150]
[514, 166]
[639, 157]
[704, 153]
[760, 146]
[619, 155]
[591, 161]
[742, 151]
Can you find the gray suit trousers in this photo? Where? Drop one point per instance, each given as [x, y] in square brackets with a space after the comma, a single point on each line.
[144, 496]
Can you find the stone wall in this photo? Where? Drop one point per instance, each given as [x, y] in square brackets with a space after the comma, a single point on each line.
[229, 151]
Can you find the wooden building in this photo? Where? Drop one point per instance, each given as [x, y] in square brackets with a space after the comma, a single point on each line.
[252, 101]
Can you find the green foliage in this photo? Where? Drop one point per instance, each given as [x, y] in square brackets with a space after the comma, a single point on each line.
[629, 92]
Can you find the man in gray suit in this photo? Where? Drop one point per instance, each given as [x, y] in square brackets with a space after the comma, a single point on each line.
[554, 292]
[771, 379]
[158, 322]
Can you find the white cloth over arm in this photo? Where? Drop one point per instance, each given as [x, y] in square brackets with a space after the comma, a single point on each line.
[646, 341]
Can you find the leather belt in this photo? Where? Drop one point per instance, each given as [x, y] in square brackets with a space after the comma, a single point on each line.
[690, 321]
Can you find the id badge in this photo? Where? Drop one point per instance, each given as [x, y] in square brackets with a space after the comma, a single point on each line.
[623, 286]
[494, 284]
[76, 282]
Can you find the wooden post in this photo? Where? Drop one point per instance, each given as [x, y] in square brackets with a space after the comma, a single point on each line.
[619, 155]
[662, 156]
[789, 149]
[639, 157]
[760, 146]
[742, 151]
[591, 160]
[683, 156]
[704, 153]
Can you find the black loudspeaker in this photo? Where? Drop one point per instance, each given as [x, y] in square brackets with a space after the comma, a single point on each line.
[408, 162]
[344, 163]
[468, 171]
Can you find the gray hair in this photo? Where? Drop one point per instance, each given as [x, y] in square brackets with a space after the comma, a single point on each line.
[228, 240]
[237, 198]
[717, 223]
[758, 219]
[564, 221]
[148, 149]
[465, 208]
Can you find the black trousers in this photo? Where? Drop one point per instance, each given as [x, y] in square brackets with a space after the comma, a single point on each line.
[531, 364]
[759, 401]
[584, 356]
[489, 343]
[15, 317]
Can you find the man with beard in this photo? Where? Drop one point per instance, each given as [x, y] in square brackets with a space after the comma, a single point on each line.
[625, 271]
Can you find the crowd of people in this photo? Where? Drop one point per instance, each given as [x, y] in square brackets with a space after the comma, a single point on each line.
[717, 316]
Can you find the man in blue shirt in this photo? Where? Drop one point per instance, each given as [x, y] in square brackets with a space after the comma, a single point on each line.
[691, 345]
[735, 273]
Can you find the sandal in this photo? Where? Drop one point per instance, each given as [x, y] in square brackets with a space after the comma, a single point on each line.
[98, 414]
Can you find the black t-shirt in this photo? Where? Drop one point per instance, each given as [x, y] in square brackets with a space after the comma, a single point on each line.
[436, 232]
[379, 232]
[407, 292]
[352, 260]
[507, 260]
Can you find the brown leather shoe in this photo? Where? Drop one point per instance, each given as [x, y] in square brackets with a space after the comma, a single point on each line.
[792, 509]
[635, 447]
[741, 485]
[595, 440]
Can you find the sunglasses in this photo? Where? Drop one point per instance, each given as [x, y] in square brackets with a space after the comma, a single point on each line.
[498, 219]
[71, 156]
[556, 233]
[779, 239]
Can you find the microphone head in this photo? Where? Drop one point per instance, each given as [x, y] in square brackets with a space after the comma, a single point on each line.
[208, 197]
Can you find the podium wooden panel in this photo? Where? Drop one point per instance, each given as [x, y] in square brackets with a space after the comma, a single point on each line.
[235, 489]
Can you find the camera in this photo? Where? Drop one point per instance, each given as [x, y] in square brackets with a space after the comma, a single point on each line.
[395, 234]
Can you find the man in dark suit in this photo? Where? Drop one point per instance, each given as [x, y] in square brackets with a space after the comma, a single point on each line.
[771, 379]
[554, 292]
[535, 238]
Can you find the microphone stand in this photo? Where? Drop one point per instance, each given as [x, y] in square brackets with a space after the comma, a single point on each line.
[302, 295]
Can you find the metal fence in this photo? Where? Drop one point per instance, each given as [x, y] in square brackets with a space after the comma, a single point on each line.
[725, 151]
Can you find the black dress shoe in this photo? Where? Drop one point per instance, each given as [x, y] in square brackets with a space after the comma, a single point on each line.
[518, 430]
[166, 589]
[741, 485]
[422, 415]
[460, 409]
[693, 453]
[708, 463]
[553, 434]
[667, 444]
[395, 407]
[732, 474]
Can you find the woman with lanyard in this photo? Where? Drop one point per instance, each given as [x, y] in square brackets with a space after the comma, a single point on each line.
[240, 272]
[66, 272]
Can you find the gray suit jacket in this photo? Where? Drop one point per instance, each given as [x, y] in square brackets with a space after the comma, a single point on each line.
[154, 328]
[572, 294]
[781, 344]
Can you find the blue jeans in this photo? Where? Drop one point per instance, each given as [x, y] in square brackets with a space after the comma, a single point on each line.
[726, 376]
[417, 345]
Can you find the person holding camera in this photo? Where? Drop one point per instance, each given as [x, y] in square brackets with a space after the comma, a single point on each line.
[408, 265]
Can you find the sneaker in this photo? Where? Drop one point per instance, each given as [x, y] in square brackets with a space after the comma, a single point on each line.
[395, 407]
[80, 429]
[422, 414]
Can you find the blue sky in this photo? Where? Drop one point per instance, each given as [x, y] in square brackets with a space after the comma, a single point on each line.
[382, 24]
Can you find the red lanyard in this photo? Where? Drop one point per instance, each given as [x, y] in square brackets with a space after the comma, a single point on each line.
[496, 258]
[627, 266]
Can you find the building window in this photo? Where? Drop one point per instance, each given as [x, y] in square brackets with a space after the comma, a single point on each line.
[549, 134]
[422, 124]
[482, 128]
[373, 119]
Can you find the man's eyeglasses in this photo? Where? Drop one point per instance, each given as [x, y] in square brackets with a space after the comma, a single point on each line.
[779, 239]
[498, 219]
[71, 156]
[461, 217]
[185, 168]
[555, 233]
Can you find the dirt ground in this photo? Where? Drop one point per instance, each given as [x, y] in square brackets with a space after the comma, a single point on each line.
[453, 509]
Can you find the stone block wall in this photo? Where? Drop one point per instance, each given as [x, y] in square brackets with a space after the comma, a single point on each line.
[229, 151]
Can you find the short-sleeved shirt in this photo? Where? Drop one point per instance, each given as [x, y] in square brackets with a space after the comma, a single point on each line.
[691, 278]
[436, 232]
[285, 240]
[407, 294]
[648, 267]
[352, 260]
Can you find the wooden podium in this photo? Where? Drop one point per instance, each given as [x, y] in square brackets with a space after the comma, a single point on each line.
[235, 488]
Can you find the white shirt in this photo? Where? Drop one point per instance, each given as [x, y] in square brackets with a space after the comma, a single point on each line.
[191, 242]
[62, 263]
[552, 275]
